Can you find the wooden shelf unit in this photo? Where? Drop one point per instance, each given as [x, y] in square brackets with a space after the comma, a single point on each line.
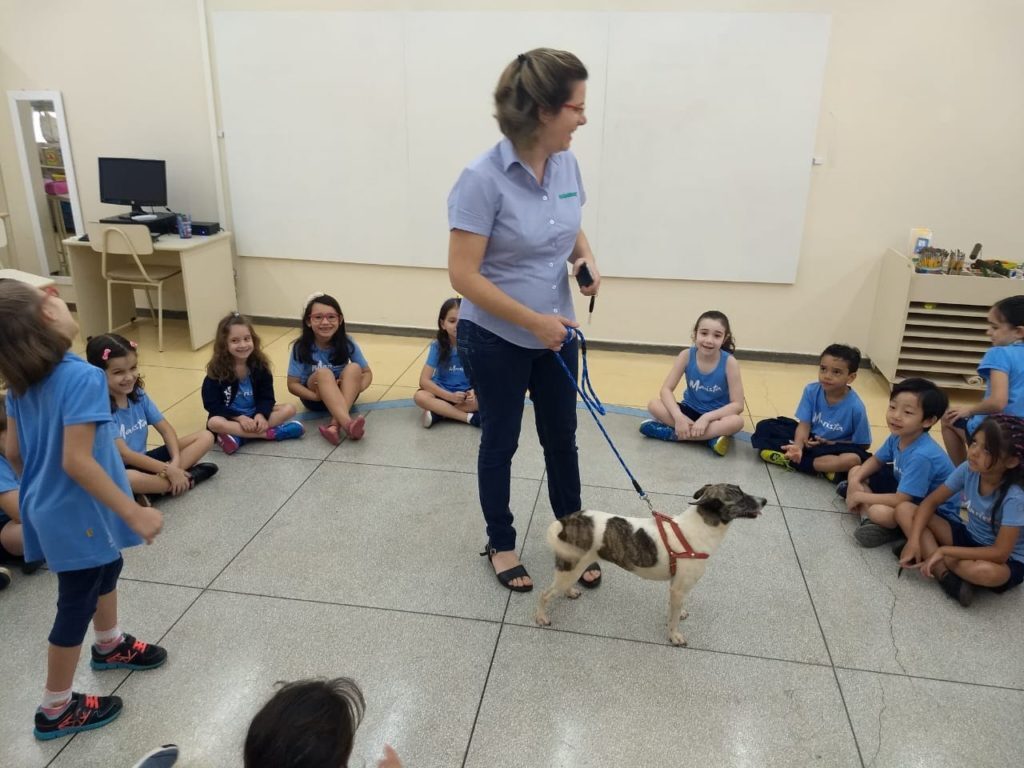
[932, 325]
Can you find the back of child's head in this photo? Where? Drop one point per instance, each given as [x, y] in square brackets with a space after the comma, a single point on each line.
[30, 348]
[222, 363]
[302, 347]
[933, 401]
[1004, 441]
[104, 349]
[1011, 309]
[729, 343]
[306, 724]
[850, 355]
[443, 340]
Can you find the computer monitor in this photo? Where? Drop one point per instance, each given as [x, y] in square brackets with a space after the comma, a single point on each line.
[127, 181]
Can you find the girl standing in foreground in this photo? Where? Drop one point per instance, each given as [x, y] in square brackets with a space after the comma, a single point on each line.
[712, 406]
[238, 391]
[76, 504]
[444, 390]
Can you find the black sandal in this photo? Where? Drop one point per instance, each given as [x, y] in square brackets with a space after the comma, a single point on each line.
[505, 578]
[595, 583]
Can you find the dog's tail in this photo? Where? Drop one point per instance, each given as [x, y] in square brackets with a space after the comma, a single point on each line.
[562, 549]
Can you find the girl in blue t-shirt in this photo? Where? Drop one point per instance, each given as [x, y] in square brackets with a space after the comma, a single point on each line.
[11, 546]
[989, 550]
[172, 468]
[238, 391]
[327, 370]
[444, 390]
[1002, 368]
[712, 406]
[77, 509]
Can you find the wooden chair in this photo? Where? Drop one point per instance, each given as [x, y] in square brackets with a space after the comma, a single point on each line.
[130, 240]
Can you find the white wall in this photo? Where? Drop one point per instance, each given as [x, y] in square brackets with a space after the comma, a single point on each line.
[914, 135]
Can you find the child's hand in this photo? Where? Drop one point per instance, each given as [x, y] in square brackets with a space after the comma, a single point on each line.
[910, 554]
[146, 521]
[793, 452]
[261, 423]
[700, 426]
[457, 398]
[683, 426]
[931, 562]
[179, 480]
[390, 759]
[470, 396]
[247, 424]
[855, 498]
[955, 414]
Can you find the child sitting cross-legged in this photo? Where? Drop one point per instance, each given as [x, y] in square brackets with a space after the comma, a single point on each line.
[831, 435]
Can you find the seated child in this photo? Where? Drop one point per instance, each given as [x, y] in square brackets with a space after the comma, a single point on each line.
[918, 465]
[988, 551]
[11, 544]
[833, 434]
[444, 391]
[238, 391]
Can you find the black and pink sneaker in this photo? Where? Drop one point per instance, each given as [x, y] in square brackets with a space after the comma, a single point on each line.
[84, 713]
[129, 654]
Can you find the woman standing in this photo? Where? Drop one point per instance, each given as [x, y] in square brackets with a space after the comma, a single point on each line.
[514, 217]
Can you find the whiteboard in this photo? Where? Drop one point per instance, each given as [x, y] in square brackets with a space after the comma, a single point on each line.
[344, 132]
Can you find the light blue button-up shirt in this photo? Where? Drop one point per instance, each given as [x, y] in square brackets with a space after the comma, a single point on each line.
[531, 229]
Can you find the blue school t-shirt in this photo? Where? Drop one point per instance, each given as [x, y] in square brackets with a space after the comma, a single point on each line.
[8, 480]
[451, 375]
[322, 359]
[844, 422]
[132, 423]
[920, 468]
[1009, 360]
[706, 392]
[63, 524]
[979, 508]
[245, 401]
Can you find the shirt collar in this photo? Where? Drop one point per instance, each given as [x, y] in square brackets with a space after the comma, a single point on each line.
[509, 156]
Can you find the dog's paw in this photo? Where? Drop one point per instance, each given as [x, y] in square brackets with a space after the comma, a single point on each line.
[683, 614]
[542, 619]
[572, 593]
[677, 638]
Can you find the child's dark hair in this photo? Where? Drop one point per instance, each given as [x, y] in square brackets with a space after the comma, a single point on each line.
[341, 347]
[306, 724]
[844, 352]
[729, 344]
[1004, 439]
[1012, 310]
[933, 401]
[30, 348]
[222, 363]
[109, 346]
[3, 416]
[443, 340]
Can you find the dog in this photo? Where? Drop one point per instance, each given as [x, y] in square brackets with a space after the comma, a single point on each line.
[635, 544]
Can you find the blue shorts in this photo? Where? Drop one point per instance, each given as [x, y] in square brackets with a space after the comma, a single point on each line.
[812, 452]
[962, 538]
[78, 593]
[314, 405]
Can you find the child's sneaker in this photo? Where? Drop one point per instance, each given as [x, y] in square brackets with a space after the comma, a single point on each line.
[869, 534]
[5, 578]
[427, 419]
[129, 654]
[657, 430]
[290, 430]
[778, 458]
[229, 443]
[841, 489]
[161, 757]
[957, 588]
[84, 713]
[720, 444]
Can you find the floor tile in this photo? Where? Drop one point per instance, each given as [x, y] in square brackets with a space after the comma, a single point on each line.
[206, 528]
[905, 721]
[876, 622]
[751, 599]
[559, 699]
[382, 537]
[422, 677]
[145, 610]
[797, 490]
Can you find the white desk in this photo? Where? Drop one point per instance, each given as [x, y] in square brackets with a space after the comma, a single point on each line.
[206, 272]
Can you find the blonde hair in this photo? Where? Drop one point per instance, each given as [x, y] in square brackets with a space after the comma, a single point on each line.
[30, 348]
[541, 79]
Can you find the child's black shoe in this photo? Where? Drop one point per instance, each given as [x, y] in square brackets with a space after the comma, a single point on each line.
[84, 713]
[129, 654]
[957, 588]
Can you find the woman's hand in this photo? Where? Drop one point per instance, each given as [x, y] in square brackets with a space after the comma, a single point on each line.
[551, 329]
[592, 289]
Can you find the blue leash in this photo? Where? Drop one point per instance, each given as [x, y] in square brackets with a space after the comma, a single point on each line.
[594, 405]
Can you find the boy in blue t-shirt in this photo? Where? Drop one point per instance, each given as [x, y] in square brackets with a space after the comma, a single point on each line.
[831, 434]
[908, 466]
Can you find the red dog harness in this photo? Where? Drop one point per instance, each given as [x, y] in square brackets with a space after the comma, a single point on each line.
[688, 552]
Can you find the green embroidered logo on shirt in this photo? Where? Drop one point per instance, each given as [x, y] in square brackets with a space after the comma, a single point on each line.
[566, 194]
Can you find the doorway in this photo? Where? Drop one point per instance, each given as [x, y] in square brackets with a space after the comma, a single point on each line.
[44, 150]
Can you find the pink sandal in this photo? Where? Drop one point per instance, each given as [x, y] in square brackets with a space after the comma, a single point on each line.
[331, 434]
[356, 428]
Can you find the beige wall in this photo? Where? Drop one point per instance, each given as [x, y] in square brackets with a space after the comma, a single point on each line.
[921, 126]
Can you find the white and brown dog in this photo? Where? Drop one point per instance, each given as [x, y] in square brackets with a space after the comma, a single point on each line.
[636, 544]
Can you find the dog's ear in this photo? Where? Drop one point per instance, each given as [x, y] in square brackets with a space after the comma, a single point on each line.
[700, 491]
[710, 505]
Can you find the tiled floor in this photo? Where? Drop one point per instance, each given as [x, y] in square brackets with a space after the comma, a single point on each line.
[300, 559]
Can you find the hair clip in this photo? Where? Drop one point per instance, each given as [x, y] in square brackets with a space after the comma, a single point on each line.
[106, 354]
[133, 344]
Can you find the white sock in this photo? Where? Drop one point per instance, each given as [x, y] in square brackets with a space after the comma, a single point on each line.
[108, 639]
[469, 418]
[54, 702]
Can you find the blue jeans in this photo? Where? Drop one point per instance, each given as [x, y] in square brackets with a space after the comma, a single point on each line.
[501, 373]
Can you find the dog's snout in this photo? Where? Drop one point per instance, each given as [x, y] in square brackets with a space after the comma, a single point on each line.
[762, 503]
